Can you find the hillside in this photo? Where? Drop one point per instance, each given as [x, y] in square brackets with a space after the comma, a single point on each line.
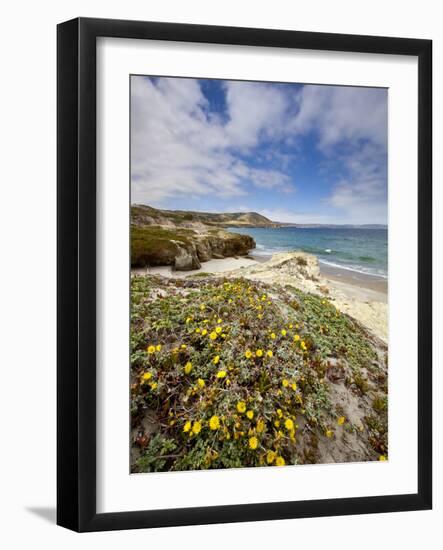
[147, 215]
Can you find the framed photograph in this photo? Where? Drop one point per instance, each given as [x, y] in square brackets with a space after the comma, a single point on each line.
[244, 274]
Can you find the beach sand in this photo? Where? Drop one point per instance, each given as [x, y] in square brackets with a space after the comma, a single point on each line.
[378, 285]
[212, 266]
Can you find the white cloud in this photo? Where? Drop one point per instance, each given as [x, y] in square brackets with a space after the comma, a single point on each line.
[291, 216]
[181, 149]
[351, 125]
[342, 114]
[362, 195]
[256, 110]
[177, 149]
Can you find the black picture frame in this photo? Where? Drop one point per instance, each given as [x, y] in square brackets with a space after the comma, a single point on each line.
[76, 266]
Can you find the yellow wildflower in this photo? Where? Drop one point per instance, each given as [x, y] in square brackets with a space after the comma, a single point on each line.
[259, 353]
[273, 335]
[382, 458]
[221, 374]
[218, 330]
[289, 424]
[241, 406]
[187, 426]
[303, 345]
[260, 426]
[197, 330]
[250, 414]
[213, 335]
[147, 376]
[188, 367]
[158, 347]
[270, 456]
[277, 423]
[150, 349]
[269, 353]
[294, 386]
[216, 359]
[183, 346]
[341, 420]
[202, 307]
[248, 354]
[283, 332]
[279, 413]
[296, 337]
[290, 325]
[201, 383]
[280, 461]
[253, 443]
[329, 433]
[285, 383]
[188, 320]
[153, 385]
[214, 423]
[196, 427]
[204, 332]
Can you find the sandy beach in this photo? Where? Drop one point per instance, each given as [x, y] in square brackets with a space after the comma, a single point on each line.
[212, 266]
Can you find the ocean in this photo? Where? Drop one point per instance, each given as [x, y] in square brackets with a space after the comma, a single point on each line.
[361, 250]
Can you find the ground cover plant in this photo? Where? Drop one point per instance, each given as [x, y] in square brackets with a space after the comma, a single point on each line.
[228, 372]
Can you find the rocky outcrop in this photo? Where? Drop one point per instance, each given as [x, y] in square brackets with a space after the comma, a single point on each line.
[182, 248]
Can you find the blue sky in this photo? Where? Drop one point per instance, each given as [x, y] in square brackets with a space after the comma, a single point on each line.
[292, 152]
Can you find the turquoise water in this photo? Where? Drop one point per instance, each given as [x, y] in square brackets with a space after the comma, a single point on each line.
[357, 249]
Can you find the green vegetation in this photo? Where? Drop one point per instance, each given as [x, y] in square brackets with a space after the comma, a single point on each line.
[230, 373]
[140, 213]
[154, 245]
[199, 275]
[301, 261]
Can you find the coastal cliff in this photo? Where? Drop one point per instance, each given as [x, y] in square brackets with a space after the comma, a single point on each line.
[161, 238]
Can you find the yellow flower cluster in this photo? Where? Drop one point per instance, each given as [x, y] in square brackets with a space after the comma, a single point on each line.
[152, 348]
[258, 353]
[214, 423]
